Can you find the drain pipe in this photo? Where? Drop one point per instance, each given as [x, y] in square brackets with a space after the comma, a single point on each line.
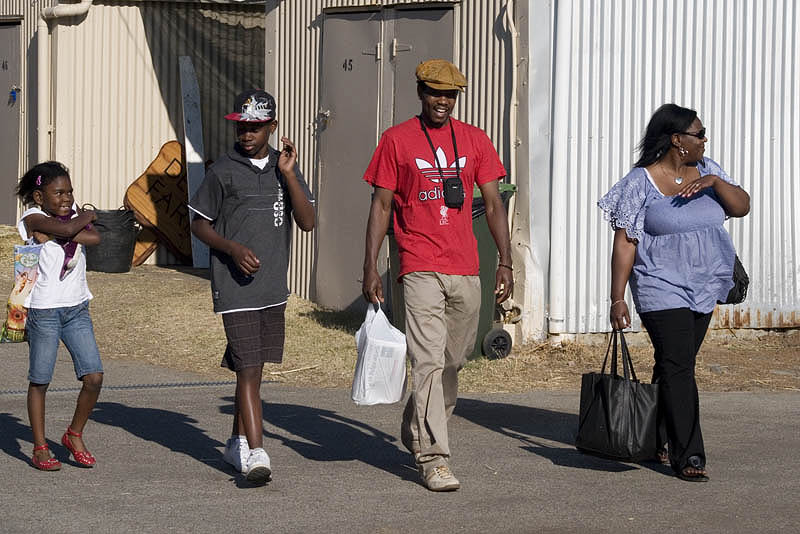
[558, 188]
[512, 311]
[514, 111]
[43, 125]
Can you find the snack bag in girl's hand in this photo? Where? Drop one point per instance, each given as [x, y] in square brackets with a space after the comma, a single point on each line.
[26, 269]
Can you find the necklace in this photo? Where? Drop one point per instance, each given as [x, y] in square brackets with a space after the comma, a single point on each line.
[677, 179]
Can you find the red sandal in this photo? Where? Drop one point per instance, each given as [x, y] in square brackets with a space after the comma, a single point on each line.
[83, 458]
[51, 464]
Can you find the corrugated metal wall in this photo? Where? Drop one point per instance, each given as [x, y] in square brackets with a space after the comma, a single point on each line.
[481, 43]
[117, 86]
[738, 64]
[296, 67]
[27, 13]
[371, 3]
[117, 92]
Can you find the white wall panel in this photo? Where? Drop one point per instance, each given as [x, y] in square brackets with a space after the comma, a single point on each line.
[735, 62]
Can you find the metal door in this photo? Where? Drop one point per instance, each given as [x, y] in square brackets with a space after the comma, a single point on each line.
[416, 35]
[347, 127]
[10, 82]
[368, 84]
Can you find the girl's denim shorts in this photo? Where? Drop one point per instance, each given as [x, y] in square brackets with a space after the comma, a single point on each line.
[73, 326]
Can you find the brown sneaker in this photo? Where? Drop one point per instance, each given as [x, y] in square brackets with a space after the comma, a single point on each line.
[436, 475]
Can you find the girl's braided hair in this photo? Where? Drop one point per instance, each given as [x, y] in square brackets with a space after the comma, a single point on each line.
[37, 178]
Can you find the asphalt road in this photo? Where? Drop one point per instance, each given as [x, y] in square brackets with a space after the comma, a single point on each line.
[158, 436]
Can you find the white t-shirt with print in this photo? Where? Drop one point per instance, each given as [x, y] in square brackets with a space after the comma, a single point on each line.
[49, 291]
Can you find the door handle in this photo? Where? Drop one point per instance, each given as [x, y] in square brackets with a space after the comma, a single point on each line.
[398, 47]
[378, 52]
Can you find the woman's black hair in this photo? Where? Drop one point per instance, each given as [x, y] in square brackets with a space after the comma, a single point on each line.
[39, 176]
[667, 120]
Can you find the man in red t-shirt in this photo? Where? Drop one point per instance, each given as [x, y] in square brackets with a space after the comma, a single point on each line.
[426, 168]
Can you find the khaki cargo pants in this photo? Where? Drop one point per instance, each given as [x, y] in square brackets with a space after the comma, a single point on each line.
[441, 323]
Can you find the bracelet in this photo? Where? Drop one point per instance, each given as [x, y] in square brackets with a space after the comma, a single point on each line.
[506, 266]
[617, 302]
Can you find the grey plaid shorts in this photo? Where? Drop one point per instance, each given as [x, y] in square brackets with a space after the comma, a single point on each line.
[254, 337]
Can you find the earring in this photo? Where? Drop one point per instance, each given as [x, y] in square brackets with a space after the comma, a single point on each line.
[682, 151]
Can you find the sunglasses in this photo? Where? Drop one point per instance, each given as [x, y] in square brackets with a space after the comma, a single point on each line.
[699, 134]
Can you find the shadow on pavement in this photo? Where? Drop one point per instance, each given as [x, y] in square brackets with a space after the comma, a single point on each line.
[326, 436]
[571, 457]
[175, 431]
[14, 431]
[532, 425]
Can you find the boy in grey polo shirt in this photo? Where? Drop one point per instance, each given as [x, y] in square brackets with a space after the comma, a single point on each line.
[242, 212]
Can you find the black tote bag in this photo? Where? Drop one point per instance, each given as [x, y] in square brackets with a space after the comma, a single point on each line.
[617, 413]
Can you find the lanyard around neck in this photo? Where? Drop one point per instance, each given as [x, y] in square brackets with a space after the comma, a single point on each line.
[433, 150]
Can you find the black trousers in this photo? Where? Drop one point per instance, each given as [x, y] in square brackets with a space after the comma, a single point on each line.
[676, 336]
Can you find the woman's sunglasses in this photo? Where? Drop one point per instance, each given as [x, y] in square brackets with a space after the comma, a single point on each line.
[699, 134]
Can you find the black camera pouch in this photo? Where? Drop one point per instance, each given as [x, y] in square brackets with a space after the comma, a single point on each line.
[453, 192]
[452, 188]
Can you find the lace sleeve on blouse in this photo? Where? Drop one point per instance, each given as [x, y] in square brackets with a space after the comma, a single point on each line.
[709, 166]
[624, 204]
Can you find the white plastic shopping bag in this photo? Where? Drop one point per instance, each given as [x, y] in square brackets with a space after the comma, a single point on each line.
[380, 376]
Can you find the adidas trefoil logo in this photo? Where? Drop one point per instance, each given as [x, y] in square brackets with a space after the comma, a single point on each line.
[431, 172]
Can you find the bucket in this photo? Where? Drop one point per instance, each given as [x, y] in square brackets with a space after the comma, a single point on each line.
[118, 232]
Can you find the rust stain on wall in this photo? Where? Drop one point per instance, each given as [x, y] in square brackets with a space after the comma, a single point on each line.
[740, 317]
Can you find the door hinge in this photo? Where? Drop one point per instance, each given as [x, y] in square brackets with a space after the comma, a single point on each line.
[323, 116]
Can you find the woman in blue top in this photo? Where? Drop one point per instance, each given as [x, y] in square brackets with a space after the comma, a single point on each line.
[670, 243]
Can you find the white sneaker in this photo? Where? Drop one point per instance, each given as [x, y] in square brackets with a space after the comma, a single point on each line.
[258, 469]
[237, 452]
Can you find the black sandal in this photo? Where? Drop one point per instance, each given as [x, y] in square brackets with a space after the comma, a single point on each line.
[693, 472]
[662, 456]
[697, 476]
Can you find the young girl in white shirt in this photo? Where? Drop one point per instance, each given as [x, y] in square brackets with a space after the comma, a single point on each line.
[58, 306]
